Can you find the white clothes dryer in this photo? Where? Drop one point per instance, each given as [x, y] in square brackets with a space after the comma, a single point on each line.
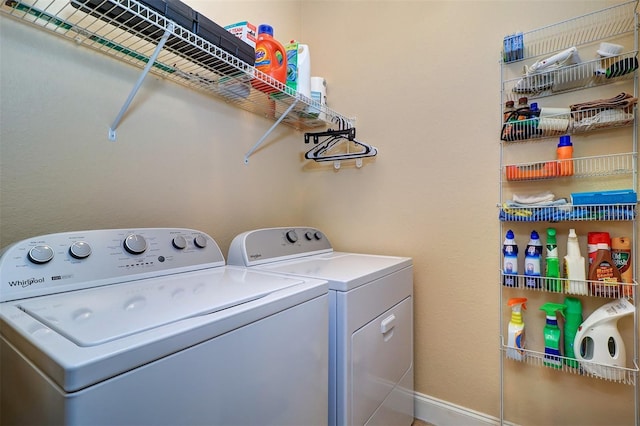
[149, 326]
[370, 319]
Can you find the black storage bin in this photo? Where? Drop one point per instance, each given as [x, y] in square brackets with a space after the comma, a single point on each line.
[181, 14]
[112, 10]
[218, 36]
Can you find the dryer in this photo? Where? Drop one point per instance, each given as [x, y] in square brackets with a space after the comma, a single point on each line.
[370, 319]
[149, 326]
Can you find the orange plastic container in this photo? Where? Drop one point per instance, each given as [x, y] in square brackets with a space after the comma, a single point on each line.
[271, 59]
[565, 156]
[532, 171]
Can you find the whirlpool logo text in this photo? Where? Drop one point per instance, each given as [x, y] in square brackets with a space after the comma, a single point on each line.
[26, 283]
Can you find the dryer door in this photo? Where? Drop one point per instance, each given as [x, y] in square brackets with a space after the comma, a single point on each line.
[382, 354]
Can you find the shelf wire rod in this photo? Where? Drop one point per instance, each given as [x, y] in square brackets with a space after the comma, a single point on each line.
[136, 87]
[262, 139]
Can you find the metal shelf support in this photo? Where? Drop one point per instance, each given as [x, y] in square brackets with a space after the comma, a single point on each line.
[264, 137]
[136, 87]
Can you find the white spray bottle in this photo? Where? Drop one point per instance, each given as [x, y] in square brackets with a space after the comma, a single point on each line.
[515, 338]
[574, 267]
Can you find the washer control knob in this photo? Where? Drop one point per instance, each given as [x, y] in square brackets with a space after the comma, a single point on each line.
[40, 254]
[135, 244]
[179, 242]
[200, 241]
[308, 235]
[292, 237]
[80, 250]
[317, 235]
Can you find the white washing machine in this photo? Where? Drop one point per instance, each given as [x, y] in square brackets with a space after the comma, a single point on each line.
[148, 326]
[370, 319]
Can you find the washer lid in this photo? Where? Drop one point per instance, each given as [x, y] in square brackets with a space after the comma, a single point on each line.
[343, 271]
[96, 316]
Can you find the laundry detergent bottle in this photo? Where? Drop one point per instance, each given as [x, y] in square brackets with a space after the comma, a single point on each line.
[532, 262]
[515, 338]
[510, 265]
[271, 59]
[552, 355]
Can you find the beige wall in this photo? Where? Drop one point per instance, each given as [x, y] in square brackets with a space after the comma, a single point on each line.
[423, 81]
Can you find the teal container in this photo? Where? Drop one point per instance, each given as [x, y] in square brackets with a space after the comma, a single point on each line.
[573, 319]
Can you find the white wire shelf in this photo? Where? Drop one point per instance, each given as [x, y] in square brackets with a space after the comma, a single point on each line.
[594, 27]
[623, 375]
[568, 213]
[572, 122]
[580, 76]
[186, 58]
[580, 167]
[572, 287]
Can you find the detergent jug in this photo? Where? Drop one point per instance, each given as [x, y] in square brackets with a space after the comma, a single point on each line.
[598, 341]
[271, 59]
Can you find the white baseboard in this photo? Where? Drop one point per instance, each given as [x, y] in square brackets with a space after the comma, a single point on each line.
[443, 413]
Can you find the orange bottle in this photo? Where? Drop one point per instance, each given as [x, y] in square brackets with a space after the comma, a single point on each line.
[565, 156]
[271, 59]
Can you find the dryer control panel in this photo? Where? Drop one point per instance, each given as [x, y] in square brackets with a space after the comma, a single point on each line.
[67, 261]
[271, 244]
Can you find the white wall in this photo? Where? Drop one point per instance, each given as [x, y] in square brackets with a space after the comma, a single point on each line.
[421, 78]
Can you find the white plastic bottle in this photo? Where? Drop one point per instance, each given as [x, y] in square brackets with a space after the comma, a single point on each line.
[575, 267]
[533, 262]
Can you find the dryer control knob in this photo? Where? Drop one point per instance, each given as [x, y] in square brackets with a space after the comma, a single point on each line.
[135, 244]
[40, 254]
[80, 250]
[292, 237]
[179, 242]
[200, 241]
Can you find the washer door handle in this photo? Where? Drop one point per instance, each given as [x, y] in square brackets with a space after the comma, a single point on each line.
[387, 324]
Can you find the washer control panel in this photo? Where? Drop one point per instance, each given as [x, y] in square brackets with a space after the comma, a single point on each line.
[74, 260]
[272, 244]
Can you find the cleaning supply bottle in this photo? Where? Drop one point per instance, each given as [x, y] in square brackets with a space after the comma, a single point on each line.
[509, 115]
[572, 321]
[621, 255]
[522, 127]
[593, 239]
[299, 68]
[271, 59]
[574, 267]
[552, 271]
[564, 155]
[515, 338]
[532, 262]
[552, 335]
[605, 272]
[510, 252]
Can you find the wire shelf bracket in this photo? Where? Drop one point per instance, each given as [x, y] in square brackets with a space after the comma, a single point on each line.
[112, 129]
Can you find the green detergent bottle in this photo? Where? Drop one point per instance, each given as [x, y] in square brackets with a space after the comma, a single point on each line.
[572, 321]
[552, 355]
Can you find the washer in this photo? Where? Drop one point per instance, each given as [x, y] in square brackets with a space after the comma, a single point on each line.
[370, 319]
[148, 326]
